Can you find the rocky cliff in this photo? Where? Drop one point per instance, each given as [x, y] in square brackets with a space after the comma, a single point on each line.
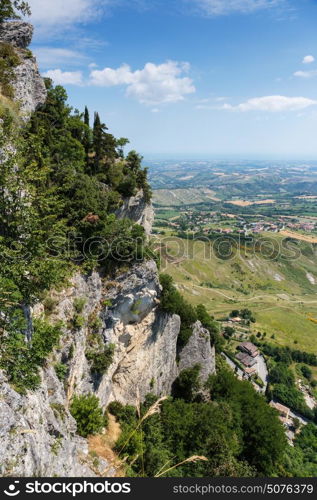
[37, 432]
[137, 209]
[29, 88]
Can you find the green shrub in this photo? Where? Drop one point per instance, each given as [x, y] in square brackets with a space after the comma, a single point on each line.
[187, 384]
[22, 361]
[124, 414]
[173, 303]
[78, 321]
[49, 305]
[100, 359]
[79, 304]
[88, 415]
[61, 371]
[8, 61]
[94, 322]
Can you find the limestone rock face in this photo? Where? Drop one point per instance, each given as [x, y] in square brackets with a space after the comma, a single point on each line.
[29, 88]
[198, 351]
[37, 433]
[138, 210]
[16, 33]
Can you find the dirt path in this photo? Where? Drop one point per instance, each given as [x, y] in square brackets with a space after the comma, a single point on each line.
[257, 297]
[103, 444]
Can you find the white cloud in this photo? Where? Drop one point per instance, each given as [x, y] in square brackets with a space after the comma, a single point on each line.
[64, 77]
[109, 77]
[223, 7]
[152, 85]
[305, 74]
[308, 59]
[50, 12]
[50, 56]
[273, 103]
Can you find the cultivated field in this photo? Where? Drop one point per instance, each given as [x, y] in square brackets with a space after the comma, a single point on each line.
[280, 292]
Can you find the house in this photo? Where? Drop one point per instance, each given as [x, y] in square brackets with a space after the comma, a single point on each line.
[250, 370]
[249, 348]
[235, 320]
[245, 359]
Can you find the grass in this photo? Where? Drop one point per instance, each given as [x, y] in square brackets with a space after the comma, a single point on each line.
[278, 291]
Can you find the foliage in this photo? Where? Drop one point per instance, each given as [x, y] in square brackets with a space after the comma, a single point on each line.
[293, 398]
[263, 436]
[10, 9]
[284, 389]
[281, 374]
[287, 355]
[58, 190]
[306, 372]
[88, 415]
[212, 326]
[79, 304]
[187, 384]
[301, 461]
[100, 358]
[173, 303]
[61, 371]
[8, 61]
[22, 360]
[237, 431]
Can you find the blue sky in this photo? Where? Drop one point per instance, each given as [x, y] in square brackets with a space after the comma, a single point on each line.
[189, 78]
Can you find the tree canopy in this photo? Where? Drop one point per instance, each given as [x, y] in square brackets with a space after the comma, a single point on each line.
[13, 9]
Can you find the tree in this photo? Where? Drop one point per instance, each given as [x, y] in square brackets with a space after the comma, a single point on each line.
[88, 415]
[228, 332]
[9, 9]
[133, 162]
[87, 135]
[306, 371]
[187, 384]
[98, 131]
[120, 144]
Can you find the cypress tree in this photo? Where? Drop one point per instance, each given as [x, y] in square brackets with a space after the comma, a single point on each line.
[86, 141]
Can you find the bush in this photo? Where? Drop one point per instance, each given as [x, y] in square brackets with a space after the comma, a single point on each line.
[293, 398]
[187, 384]
[78, 321]
[22, 361]
[61, 371]
[173, 303]
[88, 415]
[49, 305]
[100, 360]
[306, 372]
[79, 304]
[8, 61]
[124, 414]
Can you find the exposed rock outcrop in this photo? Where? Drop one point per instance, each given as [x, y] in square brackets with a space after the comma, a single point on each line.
[16, 33]
[38, 435]
[138, 210]
[198, 351]
[29, 88]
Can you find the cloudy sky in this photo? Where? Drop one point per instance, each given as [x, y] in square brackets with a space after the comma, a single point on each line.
[189, 78]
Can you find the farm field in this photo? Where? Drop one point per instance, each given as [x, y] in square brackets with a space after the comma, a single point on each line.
[280, 292]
